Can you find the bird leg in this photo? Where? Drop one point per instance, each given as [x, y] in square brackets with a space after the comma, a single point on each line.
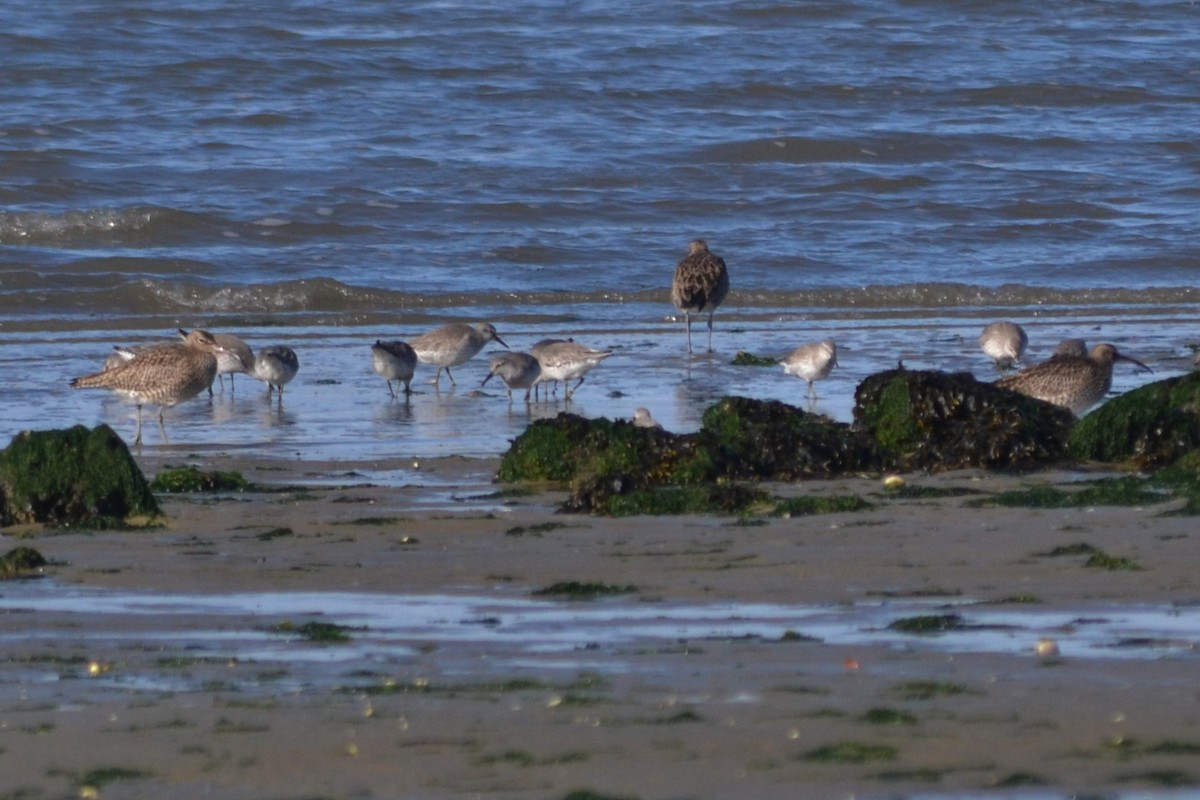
[687, 319]
[137, 435]
[162, 428]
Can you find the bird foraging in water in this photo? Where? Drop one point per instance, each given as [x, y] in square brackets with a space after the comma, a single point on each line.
[453, 344]
[1004, 342]
[275, 366]
[394, 361]
[1073, 382]
[812, 362]
[162, 375]
[1070, 347]
[517, 370]
[701, 284]
[565, 361]
[235, 356]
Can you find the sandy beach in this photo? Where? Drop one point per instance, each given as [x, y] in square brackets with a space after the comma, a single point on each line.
[742, 658]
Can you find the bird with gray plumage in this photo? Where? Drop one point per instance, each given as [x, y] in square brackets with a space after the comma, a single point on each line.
[275, 366]
[536, 351]
[1070, 347]
[1004, 342]
[1074, 382]
[700, 286]
[642, 418]
[162, 375]
[394, 361]
[812, 362]
[517, 370]
[453, 344]
[566, 361]
[235, 356]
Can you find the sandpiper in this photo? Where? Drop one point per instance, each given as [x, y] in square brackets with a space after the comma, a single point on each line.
[1073, 382]
[643, 419]
[1004, 342]
[394, 361]
[536, 351]
[161, 375]
[566, 361]
[812, 362]
[454, 344]
[517, 370]
[275, 366]
[701, 284]
[1070, 347]
[235, 356]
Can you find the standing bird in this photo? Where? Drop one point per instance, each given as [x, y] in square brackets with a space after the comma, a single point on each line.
[517, 370]
[566, 361]
[701, 284]
[454, 344]
[1005, 343]
[536, 351]
[275, 366]
[642, 418]
[812, 362]
[162, 375]
[1069, 347]
[394, 361]
[1073, 382]
[235, 356]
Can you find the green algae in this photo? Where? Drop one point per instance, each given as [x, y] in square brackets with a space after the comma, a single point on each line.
[1149, 427]
[928, 623]
[1128, 490]
[744, 359]
[888, 716]
[312, 631]
[851, 752]
[941, 421]
[927, 690]
[75, 477]
[21, 562]
[181, 480]
[818, 504]
[621, 496]
[583, 590]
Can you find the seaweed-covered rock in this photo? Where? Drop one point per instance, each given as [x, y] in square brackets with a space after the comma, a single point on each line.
[941, 421]
[72, 477]
[626, 495]
[178, 480]
[743, 438]
[1151, 426]
[569, 447]
[21, 562]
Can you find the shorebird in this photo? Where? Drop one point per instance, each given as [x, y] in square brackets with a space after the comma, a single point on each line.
[161, 375]
[812, 362]
[643, 419]
[517, 370]
[700, 285]
[394, 361]
[1073, 382]
[454, 344]
[235, 356]
[275, 366]
[1069, 347]
[566, 361]
[536, 351]
[1004, 342]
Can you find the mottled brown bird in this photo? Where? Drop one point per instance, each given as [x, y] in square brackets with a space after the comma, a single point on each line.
[162, 375]
[1073, 382]
[701, 284]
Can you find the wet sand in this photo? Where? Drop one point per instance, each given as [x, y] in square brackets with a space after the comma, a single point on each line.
[794, 688]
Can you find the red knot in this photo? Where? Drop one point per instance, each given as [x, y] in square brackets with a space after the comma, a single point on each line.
[454, 344]
[394, 361]
[812, 362]
[566, 361]
[235, 356]
[275, 366]
[517, 370]
[1004, 342]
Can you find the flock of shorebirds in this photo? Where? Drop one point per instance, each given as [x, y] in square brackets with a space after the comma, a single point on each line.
[169, 373]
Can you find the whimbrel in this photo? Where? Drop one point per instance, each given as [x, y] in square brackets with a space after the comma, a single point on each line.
[275, 366]
[701, 284]
[1004, 342]
[566, 361]
[1073, 382]
[161, 375]
[394, 361]
[454, 344]
[517, 370]
[812, 362]
[235, 356]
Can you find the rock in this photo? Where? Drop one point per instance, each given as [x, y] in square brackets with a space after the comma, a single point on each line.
[1148, 427]
[71, 477]
[941, 421]
[21, 562]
